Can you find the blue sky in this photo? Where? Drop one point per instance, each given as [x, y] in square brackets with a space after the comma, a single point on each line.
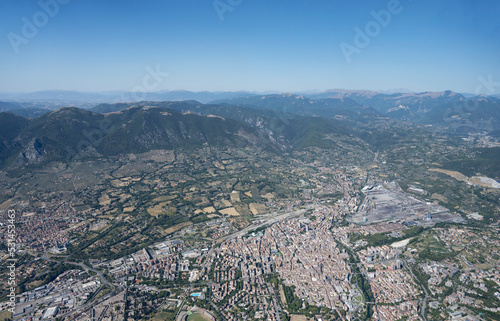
[260, 45]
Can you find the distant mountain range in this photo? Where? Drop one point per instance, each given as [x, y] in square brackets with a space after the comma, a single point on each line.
[448, 110]
[339, 108]
[76, 98]
[8, 106]
[34, 104]
[67, 133]
[83, 98]
[457, 112]
[279, 122]
[288, 130]
[114, 129]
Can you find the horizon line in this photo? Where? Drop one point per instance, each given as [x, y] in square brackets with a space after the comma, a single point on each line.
[258, 92]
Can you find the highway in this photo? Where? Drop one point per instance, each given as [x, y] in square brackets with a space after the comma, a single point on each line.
[424, 303]
[116, 289]
[270, 221]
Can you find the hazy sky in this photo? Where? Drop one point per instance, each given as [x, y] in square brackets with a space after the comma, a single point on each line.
[283, 45]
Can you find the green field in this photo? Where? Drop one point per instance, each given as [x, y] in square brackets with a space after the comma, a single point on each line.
[197, 316]
[435, 245]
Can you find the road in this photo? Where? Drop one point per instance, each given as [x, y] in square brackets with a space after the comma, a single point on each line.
[103, 313]
[86, 268]
[424, 303]
[277, 297]
[116, 289]
[270, 221]
[363, 272]
[216, 308]
[179, 311]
